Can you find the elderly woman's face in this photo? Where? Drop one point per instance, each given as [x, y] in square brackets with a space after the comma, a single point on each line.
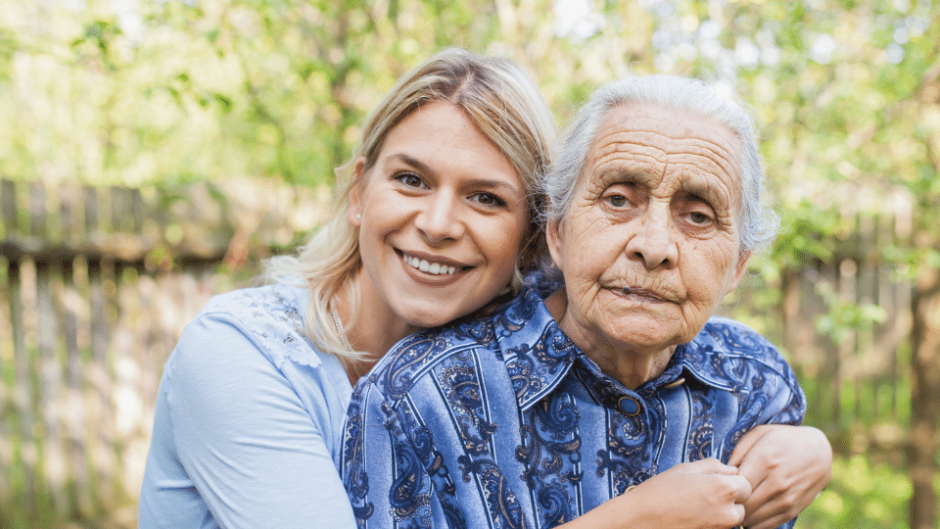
[650, 244]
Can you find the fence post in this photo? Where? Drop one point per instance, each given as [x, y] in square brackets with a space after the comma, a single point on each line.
[925, 397]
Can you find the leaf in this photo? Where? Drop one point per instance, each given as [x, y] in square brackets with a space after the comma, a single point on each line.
[224, 101]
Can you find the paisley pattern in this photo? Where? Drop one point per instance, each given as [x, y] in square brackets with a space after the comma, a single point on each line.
[503, 423]
[701, 430]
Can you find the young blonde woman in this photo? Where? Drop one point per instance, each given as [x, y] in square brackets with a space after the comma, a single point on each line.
[434, 221]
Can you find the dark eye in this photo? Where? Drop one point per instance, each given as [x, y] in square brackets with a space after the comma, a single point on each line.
[698, 217]
[410, 179]
[617, 201]
[488, 199]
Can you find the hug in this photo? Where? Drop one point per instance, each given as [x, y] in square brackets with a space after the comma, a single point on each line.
[566, 368]
[618, 384]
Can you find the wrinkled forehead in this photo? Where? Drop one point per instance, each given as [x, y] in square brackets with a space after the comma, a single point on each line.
[650, 145]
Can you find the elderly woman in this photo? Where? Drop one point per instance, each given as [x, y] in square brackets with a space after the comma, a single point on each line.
[551, 409]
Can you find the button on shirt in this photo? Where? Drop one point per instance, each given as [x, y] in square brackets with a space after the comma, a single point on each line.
[503, 422]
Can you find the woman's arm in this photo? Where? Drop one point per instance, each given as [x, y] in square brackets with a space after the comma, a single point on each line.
[245, 438]
[787, 467]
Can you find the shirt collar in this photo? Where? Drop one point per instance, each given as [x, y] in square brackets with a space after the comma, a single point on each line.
[690, 360]
[701, 356]
[538, 355]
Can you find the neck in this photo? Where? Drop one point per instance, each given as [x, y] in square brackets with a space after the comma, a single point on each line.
[632, 369]
[376, 329]
[631, 366]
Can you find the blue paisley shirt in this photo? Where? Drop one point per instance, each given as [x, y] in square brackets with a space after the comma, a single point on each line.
[502, 422]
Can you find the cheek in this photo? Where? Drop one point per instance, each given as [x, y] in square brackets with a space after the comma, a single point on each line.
[502, 241]
[518, 232]
[709, 271]
[593, 250]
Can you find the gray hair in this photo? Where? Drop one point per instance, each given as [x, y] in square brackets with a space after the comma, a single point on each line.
[680, 94]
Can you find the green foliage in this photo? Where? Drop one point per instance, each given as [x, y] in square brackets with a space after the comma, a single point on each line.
[166, 92]
[806, 234]
[846, 93]
[862, 495]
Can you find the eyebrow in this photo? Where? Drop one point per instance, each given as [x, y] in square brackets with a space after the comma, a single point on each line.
[627, 175]
[702, 191]
[426, 169]
[696, 187]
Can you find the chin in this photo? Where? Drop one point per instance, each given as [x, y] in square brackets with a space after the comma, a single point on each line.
[639, 337]
[429, 318]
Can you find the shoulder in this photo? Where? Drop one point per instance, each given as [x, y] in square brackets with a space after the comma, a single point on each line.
[729, 352]
[729, 335]
[277, 300]
[416, 356]
[270, 316]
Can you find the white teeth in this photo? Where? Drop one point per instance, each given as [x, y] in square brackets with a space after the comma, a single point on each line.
[431, 268]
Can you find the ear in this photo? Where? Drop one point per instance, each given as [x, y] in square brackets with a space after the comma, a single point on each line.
[354, 211]
[743, 260]
[553, 238]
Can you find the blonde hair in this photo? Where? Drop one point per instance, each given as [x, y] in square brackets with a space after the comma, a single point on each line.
[504, 103]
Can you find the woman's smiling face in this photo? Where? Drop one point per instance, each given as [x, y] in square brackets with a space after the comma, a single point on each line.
[441, 216]
[650, 243]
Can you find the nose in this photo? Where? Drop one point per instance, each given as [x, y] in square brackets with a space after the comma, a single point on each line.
[655, 242]
[439, 218]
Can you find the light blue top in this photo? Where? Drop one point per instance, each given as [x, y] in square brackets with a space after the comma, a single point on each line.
[248, 422]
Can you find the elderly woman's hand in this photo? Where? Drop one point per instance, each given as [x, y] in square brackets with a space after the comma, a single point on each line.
[701, 495]
[706, 494]
[787, 466]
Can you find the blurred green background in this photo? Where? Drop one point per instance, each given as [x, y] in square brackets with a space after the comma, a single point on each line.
[153, 152]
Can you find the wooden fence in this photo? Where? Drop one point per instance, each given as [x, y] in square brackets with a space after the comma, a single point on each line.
[97, 283]
[845, 322]
[95, 286]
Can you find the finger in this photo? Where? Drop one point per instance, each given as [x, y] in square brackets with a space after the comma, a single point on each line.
[769, 523]
[740, 515]
[755, 468]
[747, 442]
[742, 491]
[771, 510]
[758, 505]
[710, 466]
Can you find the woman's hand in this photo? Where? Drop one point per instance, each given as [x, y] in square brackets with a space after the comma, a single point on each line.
[701, 495]
[787, 466]
[705, 494]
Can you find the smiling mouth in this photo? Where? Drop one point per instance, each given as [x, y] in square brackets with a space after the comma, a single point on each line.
[438, 269]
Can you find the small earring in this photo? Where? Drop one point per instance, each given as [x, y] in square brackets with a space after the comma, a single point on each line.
[358, 216]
